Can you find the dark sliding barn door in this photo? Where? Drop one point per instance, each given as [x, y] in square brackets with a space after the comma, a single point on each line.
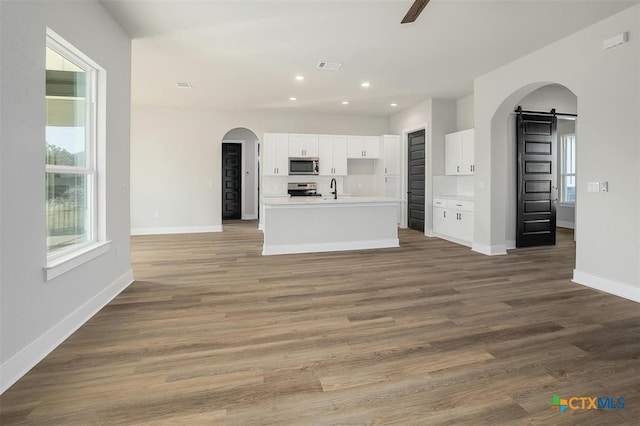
[416, 183]
[537, 187]
[231, 184]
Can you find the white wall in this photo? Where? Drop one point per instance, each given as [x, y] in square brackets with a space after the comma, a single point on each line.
[37, 315]
[465, 114]
[249, 169]
[607, 86]
[176, 159]
[437, 117]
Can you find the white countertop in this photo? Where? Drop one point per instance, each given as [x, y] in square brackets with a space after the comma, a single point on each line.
[325, 200]
[455, 197]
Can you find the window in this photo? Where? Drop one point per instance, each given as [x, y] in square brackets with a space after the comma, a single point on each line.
[71, 91]
[568, 169]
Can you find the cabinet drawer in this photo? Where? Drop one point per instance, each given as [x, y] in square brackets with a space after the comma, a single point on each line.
[440, 202]
[461, 205]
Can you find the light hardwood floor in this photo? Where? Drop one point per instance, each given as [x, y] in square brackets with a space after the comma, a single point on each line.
[429, 333]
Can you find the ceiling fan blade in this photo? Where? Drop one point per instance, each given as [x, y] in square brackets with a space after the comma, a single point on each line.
[414, 11]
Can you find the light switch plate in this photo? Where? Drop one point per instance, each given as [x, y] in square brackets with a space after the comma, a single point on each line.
[593, 187]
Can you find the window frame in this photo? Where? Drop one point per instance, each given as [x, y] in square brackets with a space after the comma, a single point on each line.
[65, 259]
[563, 167]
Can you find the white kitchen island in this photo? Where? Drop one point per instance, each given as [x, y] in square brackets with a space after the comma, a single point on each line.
[320, 224]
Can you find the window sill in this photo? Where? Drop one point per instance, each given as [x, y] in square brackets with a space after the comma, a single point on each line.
[60, 265]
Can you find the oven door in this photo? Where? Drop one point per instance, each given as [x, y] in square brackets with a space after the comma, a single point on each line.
[303, 166]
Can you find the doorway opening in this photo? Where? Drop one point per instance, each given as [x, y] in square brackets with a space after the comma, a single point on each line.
[416, 191]
[541, 174]
[239, 175]
[231, 181]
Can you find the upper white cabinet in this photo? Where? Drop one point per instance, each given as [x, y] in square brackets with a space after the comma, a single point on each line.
[460, 153]
[303, 145]
[333, 155]
[275, 154]
[363, 147]
[391, 146]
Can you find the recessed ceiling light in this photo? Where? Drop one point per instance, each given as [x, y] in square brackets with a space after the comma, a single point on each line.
[345, 102]
[184, 85]
[292, 98]
[365, 84]
[394, 104]
[299, 77]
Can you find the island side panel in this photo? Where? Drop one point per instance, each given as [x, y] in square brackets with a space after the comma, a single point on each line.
[329, 227]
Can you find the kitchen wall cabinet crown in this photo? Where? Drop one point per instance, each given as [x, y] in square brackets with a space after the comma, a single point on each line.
[363, 147]
[460, 153]
[275, 154]
[303, 145]
[333, 155]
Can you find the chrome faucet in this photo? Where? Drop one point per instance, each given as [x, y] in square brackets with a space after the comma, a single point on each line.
[334, 186]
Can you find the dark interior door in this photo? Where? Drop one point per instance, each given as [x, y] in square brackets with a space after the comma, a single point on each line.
[231, 185]
[537, 186]
[416, 185]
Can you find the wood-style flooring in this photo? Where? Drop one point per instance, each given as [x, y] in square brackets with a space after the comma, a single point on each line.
[429, 333]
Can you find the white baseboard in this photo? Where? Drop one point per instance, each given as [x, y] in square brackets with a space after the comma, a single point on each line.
[429, 233]
[489, 250]
[18, 365]
[324, 247]
[452, 239]
[250, 217]
[608, 286]
[565, 224]
[510, 244]
[176, 230]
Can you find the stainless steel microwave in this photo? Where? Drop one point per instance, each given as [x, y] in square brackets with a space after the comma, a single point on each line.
[304, 166]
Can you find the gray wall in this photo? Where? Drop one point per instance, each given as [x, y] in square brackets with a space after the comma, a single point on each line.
[35, 315]
[176, 159]
[607, 85]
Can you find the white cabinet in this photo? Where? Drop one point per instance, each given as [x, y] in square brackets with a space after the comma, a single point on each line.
[392, 189]
[453, 220]
[363, 147]
[460, 153]
[303, 145]
[392, 154]
[275, 154]
[333, 155]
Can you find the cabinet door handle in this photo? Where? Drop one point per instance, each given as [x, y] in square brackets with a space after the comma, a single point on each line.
[457, 168]
[444, 213]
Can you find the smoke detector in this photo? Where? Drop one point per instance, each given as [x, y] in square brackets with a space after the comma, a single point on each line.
[331, 66]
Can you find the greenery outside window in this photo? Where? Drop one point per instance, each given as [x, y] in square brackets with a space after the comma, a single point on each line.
[71, 141]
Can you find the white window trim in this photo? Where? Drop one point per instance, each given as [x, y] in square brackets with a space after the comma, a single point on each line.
[62, 261]
[563, 151]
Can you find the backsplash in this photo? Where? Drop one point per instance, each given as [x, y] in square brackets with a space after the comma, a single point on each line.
[454, 185]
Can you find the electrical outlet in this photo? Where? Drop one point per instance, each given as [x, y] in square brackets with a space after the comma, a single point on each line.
[604, 187]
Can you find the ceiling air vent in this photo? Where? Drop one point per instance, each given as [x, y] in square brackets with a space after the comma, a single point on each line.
[184, 85]
[331, 66]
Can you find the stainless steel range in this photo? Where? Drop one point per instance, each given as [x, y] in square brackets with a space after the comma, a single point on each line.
[303, 189]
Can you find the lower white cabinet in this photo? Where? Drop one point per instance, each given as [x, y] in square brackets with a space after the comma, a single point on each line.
[453, 220]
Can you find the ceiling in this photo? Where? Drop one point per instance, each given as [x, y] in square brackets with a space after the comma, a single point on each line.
[245, 54]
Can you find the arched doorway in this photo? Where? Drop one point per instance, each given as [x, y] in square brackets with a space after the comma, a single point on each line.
[239, 177]
[543, 96]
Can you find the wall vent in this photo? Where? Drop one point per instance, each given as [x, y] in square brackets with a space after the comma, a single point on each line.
[331, 66]
[184, 85]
